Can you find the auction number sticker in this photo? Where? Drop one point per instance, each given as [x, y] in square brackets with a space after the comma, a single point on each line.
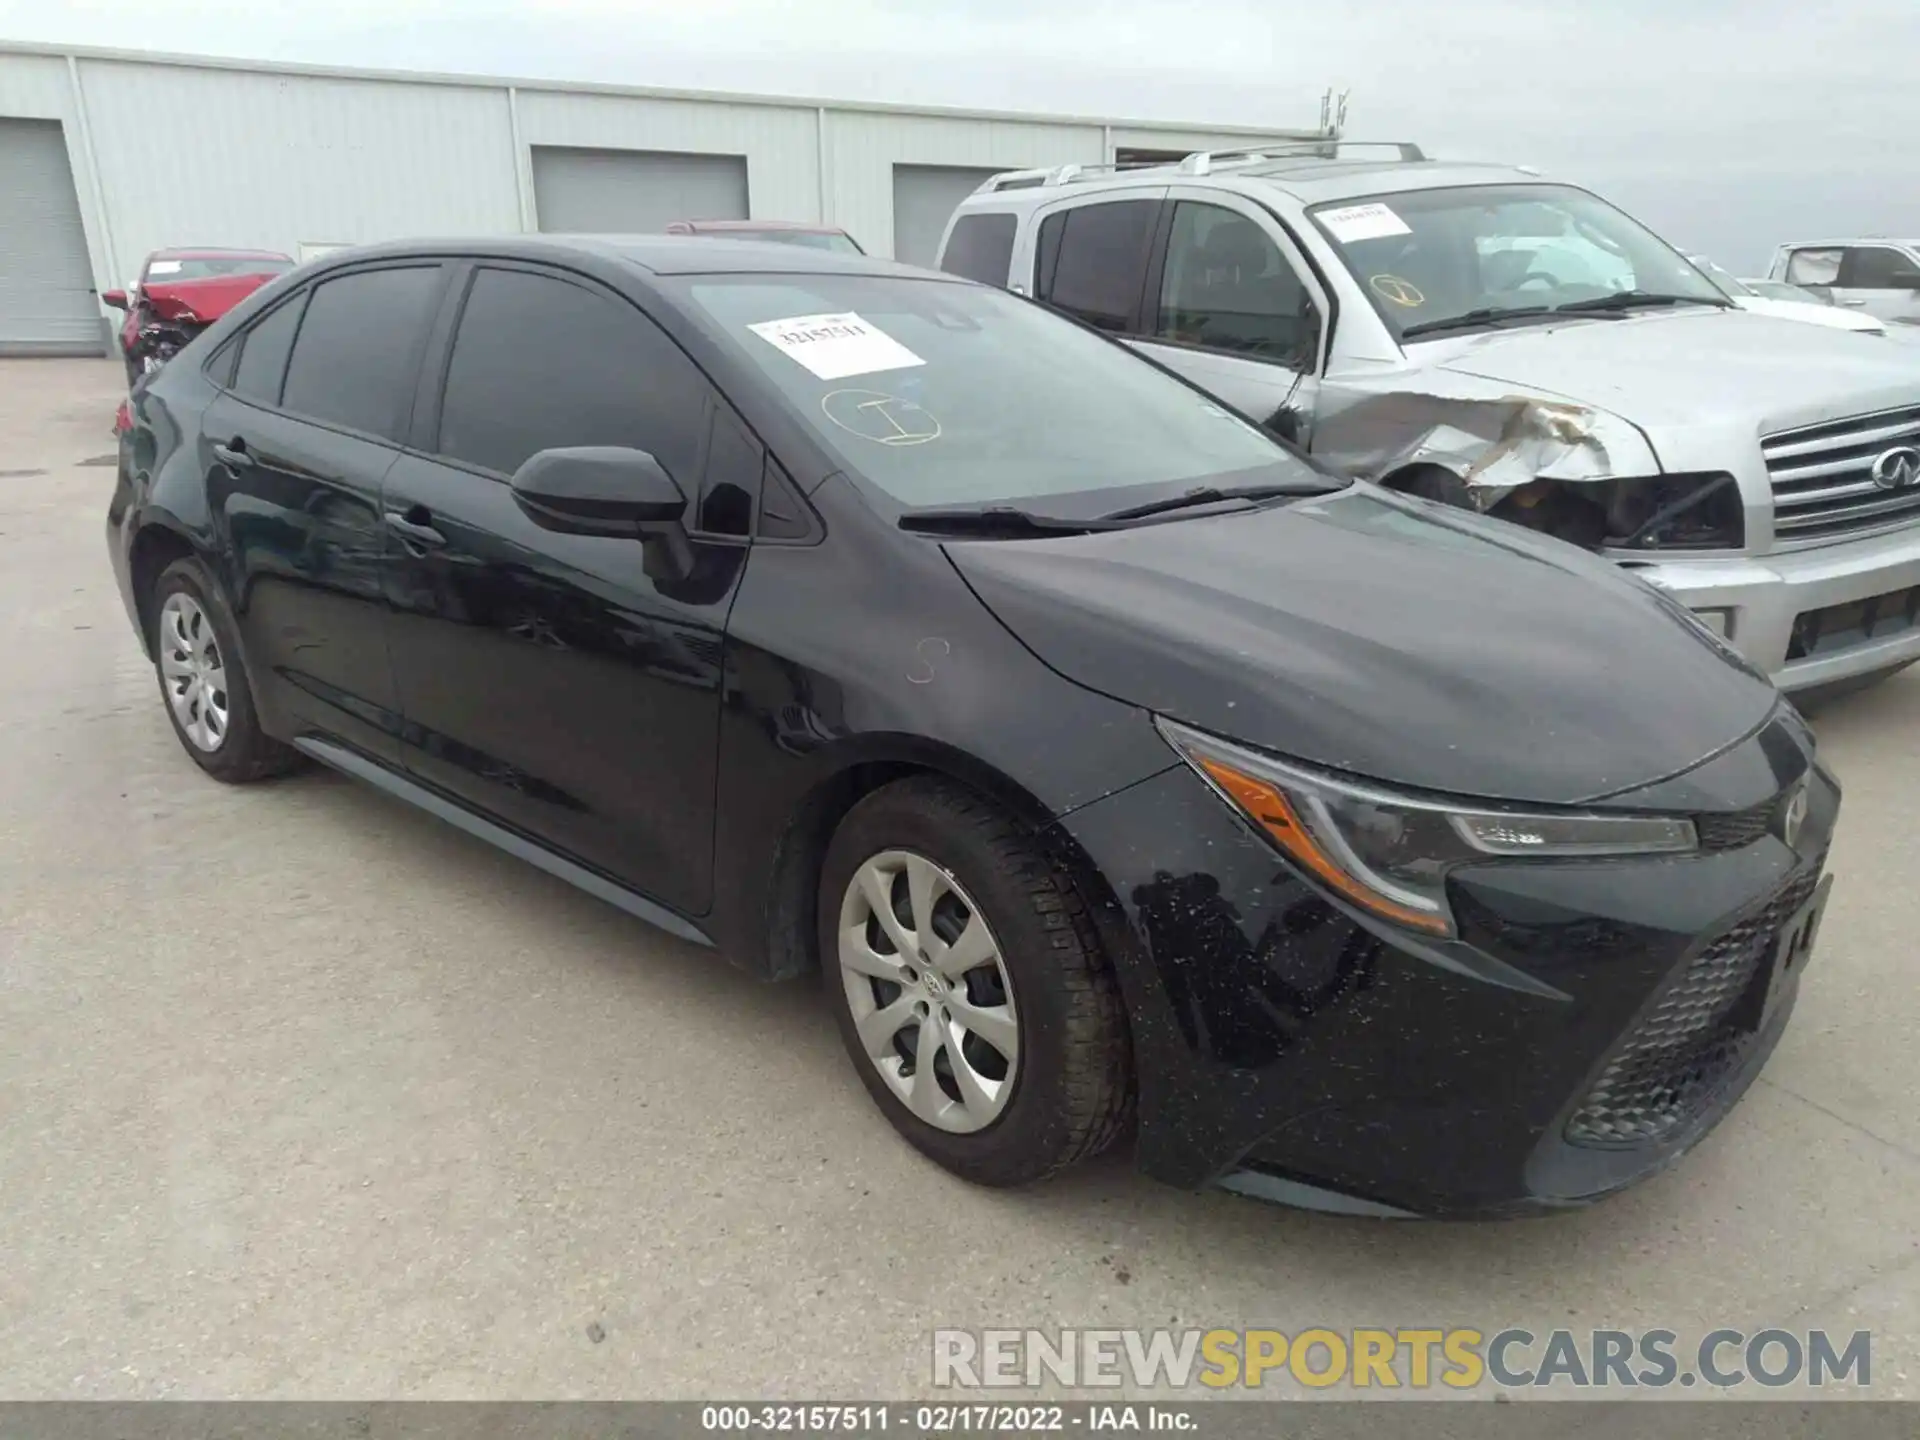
[833, 347]
[1362, 222]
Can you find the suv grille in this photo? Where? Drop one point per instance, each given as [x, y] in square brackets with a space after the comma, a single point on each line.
[1674, 1059]
[1742, 827]
[1822, 477]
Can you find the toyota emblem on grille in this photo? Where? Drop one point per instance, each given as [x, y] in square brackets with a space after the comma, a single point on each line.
[1794, 817]
[1898, 468]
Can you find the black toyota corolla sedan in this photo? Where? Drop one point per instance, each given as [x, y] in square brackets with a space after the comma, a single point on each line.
[1120, 769]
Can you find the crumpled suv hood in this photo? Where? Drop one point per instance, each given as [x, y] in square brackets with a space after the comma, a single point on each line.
[1397, 640]
[1686, 366]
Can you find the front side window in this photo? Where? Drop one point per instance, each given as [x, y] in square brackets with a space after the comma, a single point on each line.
[1479, 256]
[540, 363]
[1227, 287]
[353, 362]
[981, 248]
[934, 394]
[1815, 267]
[1877, 267]
[1092, 260]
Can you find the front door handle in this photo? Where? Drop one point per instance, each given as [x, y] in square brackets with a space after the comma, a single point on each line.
[1857, 304]
[412, 527]
[233, 454]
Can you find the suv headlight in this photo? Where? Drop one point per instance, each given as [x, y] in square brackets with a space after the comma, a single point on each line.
[1390, 854]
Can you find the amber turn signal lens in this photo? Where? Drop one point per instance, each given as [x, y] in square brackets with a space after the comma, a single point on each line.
[1274, 813]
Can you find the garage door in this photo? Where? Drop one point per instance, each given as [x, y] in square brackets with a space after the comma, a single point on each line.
[47, 304]
[634, 192]
[924, 199]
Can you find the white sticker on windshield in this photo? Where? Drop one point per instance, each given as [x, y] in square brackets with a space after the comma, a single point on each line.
[836, 346]
[1362, 222]
[164, 267]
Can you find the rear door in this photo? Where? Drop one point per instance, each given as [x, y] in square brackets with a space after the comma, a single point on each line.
[546, 679]
[1883, 280]
[298, 445]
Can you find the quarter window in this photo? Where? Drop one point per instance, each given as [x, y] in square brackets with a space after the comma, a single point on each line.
[1228, 287]
[980, 248]
[354, 361]
[263, 354]
[541, 363]
[1093, 260]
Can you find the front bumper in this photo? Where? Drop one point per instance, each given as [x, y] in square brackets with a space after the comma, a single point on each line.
[1794, 614]
[1288, 1049]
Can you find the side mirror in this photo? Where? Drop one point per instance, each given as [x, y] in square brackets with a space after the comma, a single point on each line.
[114, 299]
[610, 493]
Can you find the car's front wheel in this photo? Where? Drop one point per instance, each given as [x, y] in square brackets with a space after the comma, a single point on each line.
[970, 986]
[203, 679]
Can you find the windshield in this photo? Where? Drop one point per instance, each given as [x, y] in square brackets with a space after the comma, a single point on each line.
[1720, 277]
[210, 267]
[1428, 257]
[829, 240]
[941, 394]
[1780, 290]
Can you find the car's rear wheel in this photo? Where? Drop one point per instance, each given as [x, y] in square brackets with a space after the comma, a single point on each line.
[203, 679]
[970, 987]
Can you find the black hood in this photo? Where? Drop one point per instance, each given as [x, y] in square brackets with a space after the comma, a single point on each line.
[1390, 638]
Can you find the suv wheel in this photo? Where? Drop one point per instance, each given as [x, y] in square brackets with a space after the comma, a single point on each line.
[970, 988]
[203, 679]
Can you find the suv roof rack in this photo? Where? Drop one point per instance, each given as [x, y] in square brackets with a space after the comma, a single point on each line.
[1201, 162]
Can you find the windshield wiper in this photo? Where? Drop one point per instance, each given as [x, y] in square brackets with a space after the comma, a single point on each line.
[994, 521]
[1628, 299]
[1208, 495]
[1485, 315]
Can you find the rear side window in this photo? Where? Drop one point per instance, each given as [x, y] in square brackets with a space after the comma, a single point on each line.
[541, 363]
[354, 361]
[1093, 260]
[263, 354]
[980, 248]
[1814, 267]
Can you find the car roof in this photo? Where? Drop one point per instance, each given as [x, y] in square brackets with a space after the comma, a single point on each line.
[215, 252]
[798, 226]
[650, 254]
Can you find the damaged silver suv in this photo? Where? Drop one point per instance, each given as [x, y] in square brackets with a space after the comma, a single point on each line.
[1489, 338]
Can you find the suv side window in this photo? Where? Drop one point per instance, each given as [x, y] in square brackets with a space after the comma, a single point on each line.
[354, 361]
[263, 353]
[1814, 267]
[1874, 267]
[981, 248]
[1227, 287]
[541, 362]
[1092, 260]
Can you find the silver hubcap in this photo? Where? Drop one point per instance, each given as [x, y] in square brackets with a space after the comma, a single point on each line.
[929, 992]
[193, 672]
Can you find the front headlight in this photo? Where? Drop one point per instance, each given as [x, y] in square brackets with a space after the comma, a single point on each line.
[1390, 853]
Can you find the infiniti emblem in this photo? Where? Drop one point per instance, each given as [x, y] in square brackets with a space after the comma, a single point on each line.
[1794, 817]
[1898, 468]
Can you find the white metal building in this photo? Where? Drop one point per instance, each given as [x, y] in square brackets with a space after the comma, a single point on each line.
[107, 155]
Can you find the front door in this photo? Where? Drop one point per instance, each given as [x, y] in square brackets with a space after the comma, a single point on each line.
[1881, 280]
[298, 447]
[546, 679]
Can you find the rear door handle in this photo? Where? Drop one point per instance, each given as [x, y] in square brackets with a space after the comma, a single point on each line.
[233, 454]
[415, 531]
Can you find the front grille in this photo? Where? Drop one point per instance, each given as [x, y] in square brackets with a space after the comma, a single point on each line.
[1742, 827]
[1823, 487]
[1674, 1060]
[1841, 627]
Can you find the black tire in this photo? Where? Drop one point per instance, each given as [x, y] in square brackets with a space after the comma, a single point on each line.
[1071, 1091]
[1816, 697]
[246, 752]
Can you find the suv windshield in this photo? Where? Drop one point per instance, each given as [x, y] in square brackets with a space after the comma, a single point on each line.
[211, 267]
[1442, 261]
[944, 394]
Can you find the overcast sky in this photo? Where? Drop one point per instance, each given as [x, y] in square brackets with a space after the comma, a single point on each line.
[1729, 125]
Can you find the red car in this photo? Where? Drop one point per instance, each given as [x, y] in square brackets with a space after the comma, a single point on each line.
[783, 232]
[181, 292]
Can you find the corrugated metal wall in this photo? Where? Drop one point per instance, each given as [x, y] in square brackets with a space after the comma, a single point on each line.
[214, 153]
